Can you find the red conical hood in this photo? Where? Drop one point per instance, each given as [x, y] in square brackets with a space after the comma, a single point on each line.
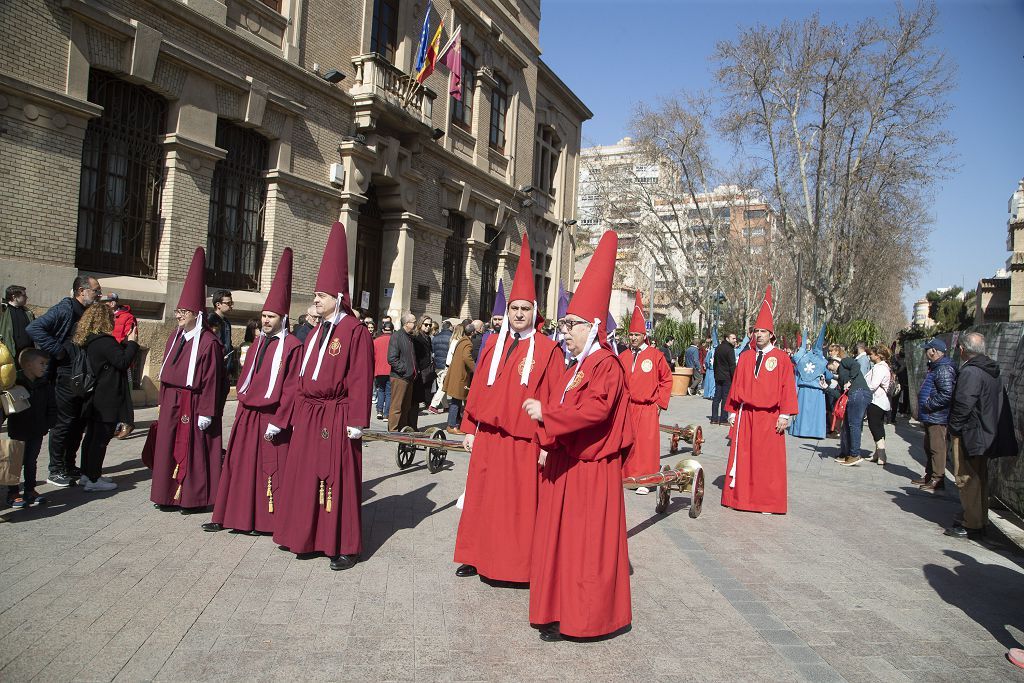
[333, 276]
[765, 320]
[522, 285]
[594, 292]
[193, 294]
[279, 300]
[637, 321]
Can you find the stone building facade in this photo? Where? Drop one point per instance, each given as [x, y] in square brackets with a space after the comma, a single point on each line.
[132, 131]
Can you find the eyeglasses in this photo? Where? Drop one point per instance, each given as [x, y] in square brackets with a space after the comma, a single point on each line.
[567, 325]
[229, 304]
[182, 311]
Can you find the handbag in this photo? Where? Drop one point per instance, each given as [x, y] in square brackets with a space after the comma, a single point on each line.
[839, 410]
[12, 455]
[14, 400]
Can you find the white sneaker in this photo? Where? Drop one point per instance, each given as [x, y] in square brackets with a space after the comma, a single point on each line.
[642, 491]
[98, 485]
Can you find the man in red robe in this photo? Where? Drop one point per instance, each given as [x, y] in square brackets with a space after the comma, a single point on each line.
[187, 447]
[650, 387]
[579, 571]
[323, 479]
[496, 528]
[259, 438]
[761, 402]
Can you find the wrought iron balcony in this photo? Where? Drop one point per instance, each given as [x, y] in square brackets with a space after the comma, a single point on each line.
[380, 89]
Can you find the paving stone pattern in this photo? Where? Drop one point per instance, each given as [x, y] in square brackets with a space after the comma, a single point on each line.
[856, 583]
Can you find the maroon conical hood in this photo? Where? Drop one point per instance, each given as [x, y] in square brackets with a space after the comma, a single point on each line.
[333, 276]
[279, 300]
[193, 294]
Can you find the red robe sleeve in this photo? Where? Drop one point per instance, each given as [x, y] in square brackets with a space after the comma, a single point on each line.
[359, 379]
[664, 381]
[595, 407]
[292, 362]
[209, 371]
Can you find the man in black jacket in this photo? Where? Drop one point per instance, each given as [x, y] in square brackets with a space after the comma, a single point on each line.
[51, 331]
[981, 425]
[724, 367]
[402, 359]
[222, 305]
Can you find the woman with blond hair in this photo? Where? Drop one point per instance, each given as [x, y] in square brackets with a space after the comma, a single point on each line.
[109, 403]
[879, 379]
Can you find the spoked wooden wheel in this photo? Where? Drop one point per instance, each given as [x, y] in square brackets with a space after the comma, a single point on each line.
[698, 440]
[406, 453]
[663, 500]
[697, 498]
[436, 457]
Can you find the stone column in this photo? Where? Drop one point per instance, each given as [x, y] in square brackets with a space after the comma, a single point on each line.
[399, 249]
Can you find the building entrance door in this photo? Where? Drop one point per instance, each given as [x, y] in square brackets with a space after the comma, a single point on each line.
[369, 249]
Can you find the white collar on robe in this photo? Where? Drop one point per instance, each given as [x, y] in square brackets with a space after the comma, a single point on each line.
[588, 349]
[315, 343]
[193, 353]
[636, 354]
[499, 349]
[278, 355]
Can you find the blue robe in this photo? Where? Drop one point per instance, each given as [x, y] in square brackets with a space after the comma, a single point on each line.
[708, 388]
[810, 421]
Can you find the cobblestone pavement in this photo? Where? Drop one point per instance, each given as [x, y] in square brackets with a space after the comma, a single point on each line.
[857, 582]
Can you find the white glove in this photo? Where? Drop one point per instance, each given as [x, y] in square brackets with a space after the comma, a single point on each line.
[468, 441]
[203, 422]
[354, 432]
[732, 419]
[271, 432]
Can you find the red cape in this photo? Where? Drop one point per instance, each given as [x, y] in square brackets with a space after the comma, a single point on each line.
[756, 471]
[650, 387]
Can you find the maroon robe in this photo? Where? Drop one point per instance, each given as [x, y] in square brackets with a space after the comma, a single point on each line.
[185, 455]
[323, 477]
[250, 482]
[498, 514]
[755, 475]
[580, 566]
[650, 387]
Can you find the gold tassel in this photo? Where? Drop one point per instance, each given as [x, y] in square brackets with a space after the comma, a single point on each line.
[174, 474]
[321, 493]
[269, 491]
[270, 495]
[328, 499]
[177, 494]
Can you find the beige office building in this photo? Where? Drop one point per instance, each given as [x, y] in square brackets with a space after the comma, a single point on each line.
[132, 131]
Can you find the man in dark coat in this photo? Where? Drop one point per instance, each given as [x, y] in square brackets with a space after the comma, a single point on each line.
[50, 332]
[222, 305]
[14, 321]
[723, 365]
[981, 424]
[933, 401]
[402, 358]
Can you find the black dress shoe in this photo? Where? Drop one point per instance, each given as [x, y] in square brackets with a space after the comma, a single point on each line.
[165, 508]
[213, 526]
[965, 533]
[465, 570]
[254, 532]
[342, 562]
[550, 634]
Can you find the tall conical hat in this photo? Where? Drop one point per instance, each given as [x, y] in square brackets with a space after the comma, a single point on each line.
[819, 343]
[637, 321]
[765, 320]
[500, 302]
[279, 300]
[523, 288]
[193, 294]
[333, 276]
[594, 293]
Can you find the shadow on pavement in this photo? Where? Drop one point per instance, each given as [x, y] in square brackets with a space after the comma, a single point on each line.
[677, 504]
[385, 516]
[62, 500]
[960, 587]
[936, 508]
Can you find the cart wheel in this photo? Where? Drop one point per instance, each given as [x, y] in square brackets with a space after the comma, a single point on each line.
[697, 497]
[663, 498]
[674, 447]
[436, 457]
[406, 453]
[698, 440]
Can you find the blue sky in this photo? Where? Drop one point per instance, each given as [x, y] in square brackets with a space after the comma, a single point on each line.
[615, 53]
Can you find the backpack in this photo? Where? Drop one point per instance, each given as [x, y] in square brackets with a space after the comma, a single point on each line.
[81, 379]
[894, 388]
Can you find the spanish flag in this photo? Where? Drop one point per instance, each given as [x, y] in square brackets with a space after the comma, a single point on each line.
[426, 66]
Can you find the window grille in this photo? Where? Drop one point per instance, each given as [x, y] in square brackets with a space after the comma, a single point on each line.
[454, 267]
[122, 179]
[234, 246]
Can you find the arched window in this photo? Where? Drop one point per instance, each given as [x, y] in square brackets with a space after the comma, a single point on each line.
[234, 246]
[122, 178]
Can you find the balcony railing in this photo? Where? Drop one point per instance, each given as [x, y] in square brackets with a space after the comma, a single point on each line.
[377, 77]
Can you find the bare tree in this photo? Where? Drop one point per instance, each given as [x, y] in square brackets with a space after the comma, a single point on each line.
[849, 122]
